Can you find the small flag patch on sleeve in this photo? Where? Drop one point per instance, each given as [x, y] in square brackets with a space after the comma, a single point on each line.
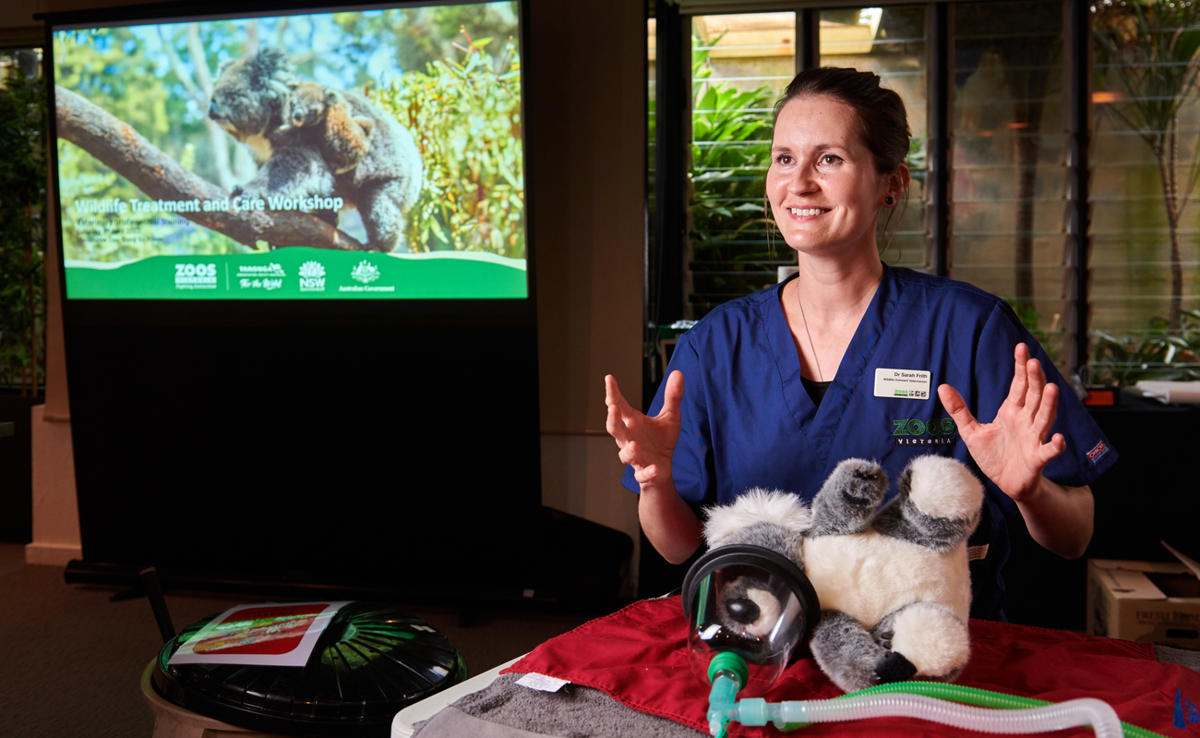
[1098, 451]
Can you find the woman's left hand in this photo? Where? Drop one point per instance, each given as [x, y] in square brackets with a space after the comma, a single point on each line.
[1012, 450]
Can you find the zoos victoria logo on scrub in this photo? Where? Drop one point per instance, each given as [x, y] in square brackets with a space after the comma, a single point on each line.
[918, 432]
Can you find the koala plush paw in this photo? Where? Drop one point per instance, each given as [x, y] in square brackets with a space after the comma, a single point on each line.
[935, 638]
[942, 487]
[848, 500]
[859, 482]
[894, 667]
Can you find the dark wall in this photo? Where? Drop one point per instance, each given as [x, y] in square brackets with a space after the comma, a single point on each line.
[1148, 496]
[376, 444]
[390, 443]
[16, 489]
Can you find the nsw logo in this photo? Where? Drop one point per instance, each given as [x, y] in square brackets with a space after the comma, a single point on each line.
[312, 277]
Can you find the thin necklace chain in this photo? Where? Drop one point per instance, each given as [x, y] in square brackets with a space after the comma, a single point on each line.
[807, 332]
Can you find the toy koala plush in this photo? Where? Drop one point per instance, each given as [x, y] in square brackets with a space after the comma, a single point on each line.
[893, 581]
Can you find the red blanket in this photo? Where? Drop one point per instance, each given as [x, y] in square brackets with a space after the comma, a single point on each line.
[638, 656]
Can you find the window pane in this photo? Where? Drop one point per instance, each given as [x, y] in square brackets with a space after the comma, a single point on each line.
[22, 220]
[1144, 265]
[1009, 159]
[653, 247]
[890, 42]
[741, 64]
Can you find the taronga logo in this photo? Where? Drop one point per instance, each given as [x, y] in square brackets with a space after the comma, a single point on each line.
[918, 432]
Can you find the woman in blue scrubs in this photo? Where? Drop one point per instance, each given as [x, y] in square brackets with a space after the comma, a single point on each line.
[853, 358]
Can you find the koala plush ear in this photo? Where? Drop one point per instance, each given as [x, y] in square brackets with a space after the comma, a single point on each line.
[753, 507]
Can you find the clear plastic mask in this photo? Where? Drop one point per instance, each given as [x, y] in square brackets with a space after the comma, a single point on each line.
[750, 601]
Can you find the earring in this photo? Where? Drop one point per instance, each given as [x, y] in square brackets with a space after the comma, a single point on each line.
[890, 200]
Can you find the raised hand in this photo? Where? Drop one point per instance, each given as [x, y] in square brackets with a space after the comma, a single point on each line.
[645, 443]
[1012, 450]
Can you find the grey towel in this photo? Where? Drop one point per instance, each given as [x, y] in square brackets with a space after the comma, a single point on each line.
[504, 709]
[1182, 656]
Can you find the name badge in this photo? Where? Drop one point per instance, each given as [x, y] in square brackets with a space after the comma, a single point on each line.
[909, 384]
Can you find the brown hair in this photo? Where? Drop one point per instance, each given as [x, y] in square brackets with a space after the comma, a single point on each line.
[880, 110]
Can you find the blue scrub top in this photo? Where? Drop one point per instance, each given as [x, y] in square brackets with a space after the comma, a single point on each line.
[747, 420]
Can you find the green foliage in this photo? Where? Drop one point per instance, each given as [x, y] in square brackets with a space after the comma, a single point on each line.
[110, 68]
[22, 230]
[1032, 319]
[424, 35]
[158, 81]
[1148, 46]
[917, 159]
[1146, 53]
[1159, 353]
[466, 115]
[731, 142]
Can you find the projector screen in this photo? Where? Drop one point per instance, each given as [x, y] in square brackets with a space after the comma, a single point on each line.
[366, 153]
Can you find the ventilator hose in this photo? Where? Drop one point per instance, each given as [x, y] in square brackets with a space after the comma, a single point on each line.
[941, 703]
[982, 698]
[1084, 711]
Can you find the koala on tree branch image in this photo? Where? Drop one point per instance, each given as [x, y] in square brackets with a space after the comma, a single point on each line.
[295, 162]
[362, 154]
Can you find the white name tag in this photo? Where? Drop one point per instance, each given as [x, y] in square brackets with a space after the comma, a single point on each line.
[541, 682]
[910, 384]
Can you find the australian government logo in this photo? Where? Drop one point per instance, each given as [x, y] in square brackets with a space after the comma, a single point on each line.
[918, 432]
[366, 274]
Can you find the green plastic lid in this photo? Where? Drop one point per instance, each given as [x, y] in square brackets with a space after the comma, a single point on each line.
[370, 662]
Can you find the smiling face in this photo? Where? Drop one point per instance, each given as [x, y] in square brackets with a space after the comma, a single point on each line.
[823, 184]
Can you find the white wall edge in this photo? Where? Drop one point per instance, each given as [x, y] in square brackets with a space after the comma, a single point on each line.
[51, 554]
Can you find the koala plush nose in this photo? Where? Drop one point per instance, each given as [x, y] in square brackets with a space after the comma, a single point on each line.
[742, 610]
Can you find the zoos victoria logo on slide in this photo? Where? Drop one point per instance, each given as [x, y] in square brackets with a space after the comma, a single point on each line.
[189, 276]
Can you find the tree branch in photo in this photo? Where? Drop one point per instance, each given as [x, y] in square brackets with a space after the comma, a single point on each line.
[127, 152]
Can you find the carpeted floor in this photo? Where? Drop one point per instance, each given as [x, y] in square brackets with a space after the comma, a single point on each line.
[71, 655]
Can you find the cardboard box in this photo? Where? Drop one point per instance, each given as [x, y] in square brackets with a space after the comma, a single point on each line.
[1148, 601]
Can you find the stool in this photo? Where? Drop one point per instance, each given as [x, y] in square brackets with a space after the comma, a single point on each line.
[370, 662]
[172, 721]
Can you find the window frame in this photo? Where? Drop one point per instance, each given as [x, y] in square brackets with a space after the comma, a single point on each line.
[666, 252]
[28, 379]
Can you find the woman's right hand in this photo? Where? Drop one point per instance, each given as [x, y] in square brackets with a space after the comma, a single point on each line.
[645, 443]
